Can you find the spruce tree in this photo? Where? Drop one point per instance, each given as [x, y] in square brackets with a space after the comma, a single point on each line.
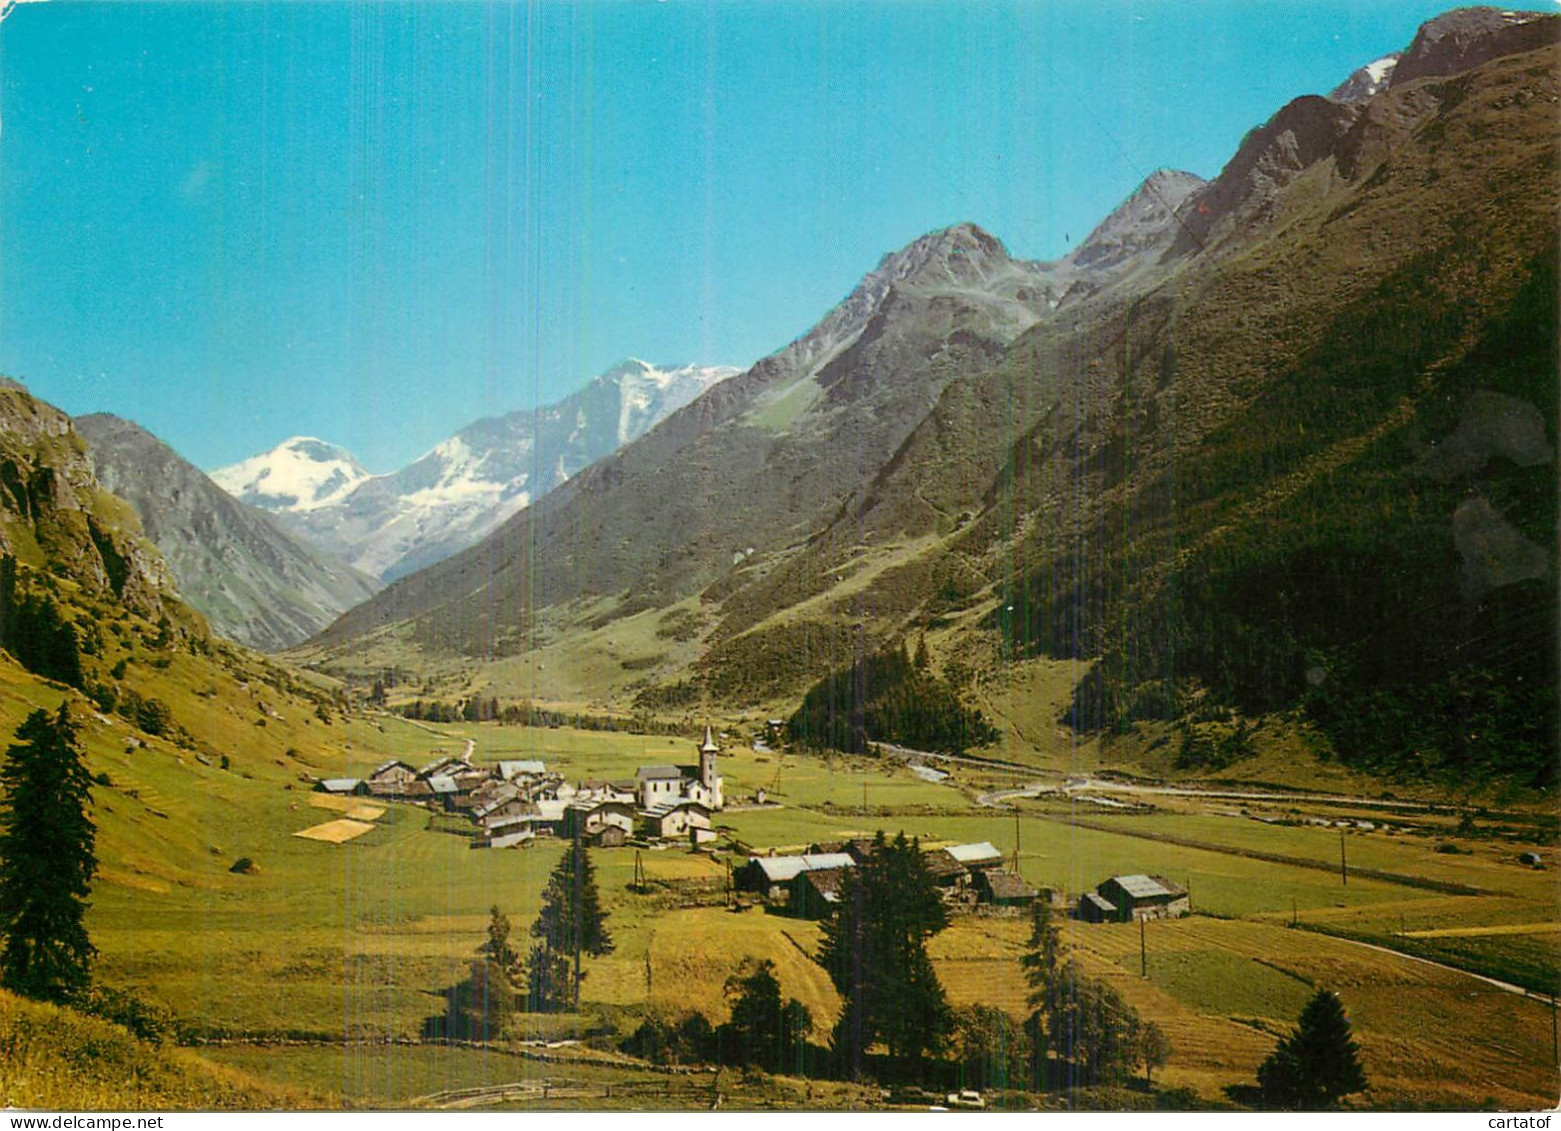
[1317, 1064]
[571, 924]
[875, 951]
[47, 860]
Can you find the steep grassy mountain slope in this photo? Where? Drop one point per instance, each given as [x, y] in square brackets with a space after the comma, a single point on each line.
[1297, 434]
[1314, 465]
[255, 583]
[759, 463]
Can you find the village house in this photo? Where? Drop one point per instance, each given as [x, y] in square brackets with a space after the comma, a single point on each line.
[1121, 899]
[590, 818]
[669, 822]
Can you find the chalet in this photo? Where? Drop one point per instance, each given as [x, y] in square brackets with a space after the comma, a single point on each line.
[448, 766]
[771, 876]
[521, 767]
[1002, 888]
[393, 772]
[444, 790]
[1137, 897]
[507, 831]
[815, 894]
[511, 814]
[666, 822]
[551, 816]
[591, 817]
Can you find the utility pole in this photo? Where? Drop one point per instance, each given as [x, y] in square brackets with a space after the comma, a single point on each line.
[1143, 948]
[1016, 840]
[1344, 871]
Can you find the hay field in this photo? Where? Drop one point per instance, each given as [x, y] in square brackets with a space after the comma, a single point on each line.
[336, 832]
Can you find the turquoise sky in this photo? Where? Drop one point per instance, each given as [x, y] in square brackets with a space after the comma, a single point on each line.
[234, 222]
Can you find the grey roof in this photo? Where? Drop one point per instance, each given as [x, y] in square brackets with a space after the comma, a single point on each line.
[339, 785]
[509, 769]
[1142, 887]
[1099, 901]
[974, 853]
[383, 766]
[442, 784]
[657, 773]
[779, 869]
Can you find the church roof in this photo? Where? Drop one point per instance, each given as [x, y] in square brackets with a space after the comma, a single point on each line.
[708, 746]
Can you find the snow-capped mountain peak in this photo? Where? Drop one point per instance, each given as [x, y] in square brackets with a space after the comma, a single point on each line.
[302, 473]
[466, 485]
[1366, 81]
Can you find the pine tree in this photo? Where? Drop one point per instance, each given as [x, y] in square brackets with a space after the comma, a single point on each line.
[1317, 1064]
[571, 924]
[47, 860]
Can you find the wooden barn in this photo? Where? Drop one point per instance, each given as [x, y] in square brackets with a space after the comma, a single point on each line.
[1125, 898]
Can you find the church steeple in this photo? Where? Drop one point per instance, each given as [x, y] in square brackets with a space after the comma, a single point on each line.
[707, 752]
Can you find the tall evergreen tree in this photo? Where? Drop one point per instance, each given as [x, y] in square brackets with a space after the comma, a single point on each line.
[47, 860]
[1316, 1065]
[1042, 961]
[762, 1030]
[876, 954]
[570, 925]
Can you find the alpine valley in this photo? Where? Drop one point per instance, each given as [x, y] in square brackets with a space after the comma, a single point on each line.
[1187, 602]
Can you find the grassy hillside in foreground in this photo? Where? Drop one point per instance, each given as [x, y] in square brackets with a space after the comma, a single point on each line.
[58, 1060]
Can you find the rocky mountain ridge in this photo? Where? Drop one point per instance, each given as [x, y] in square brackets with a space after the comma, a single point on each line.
[254, 582]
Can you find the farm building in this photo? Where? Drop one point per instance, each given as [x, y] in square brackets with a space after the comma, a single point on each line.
[816, 894]
[342, 787]
[1003, 888]
[946, 872]
[771, 876]
[975, 856]
[1093, 908]
[523, 767]
[1125, 898]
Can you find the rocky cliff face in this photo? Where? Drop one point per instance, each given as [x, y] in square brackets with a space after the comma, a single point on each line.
[254, 582]
[56, 517]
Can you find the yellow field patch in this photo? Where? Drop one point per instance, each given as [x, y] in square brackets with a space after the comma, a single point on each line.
[354, 807]
[335, 832]
[1469, 932]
